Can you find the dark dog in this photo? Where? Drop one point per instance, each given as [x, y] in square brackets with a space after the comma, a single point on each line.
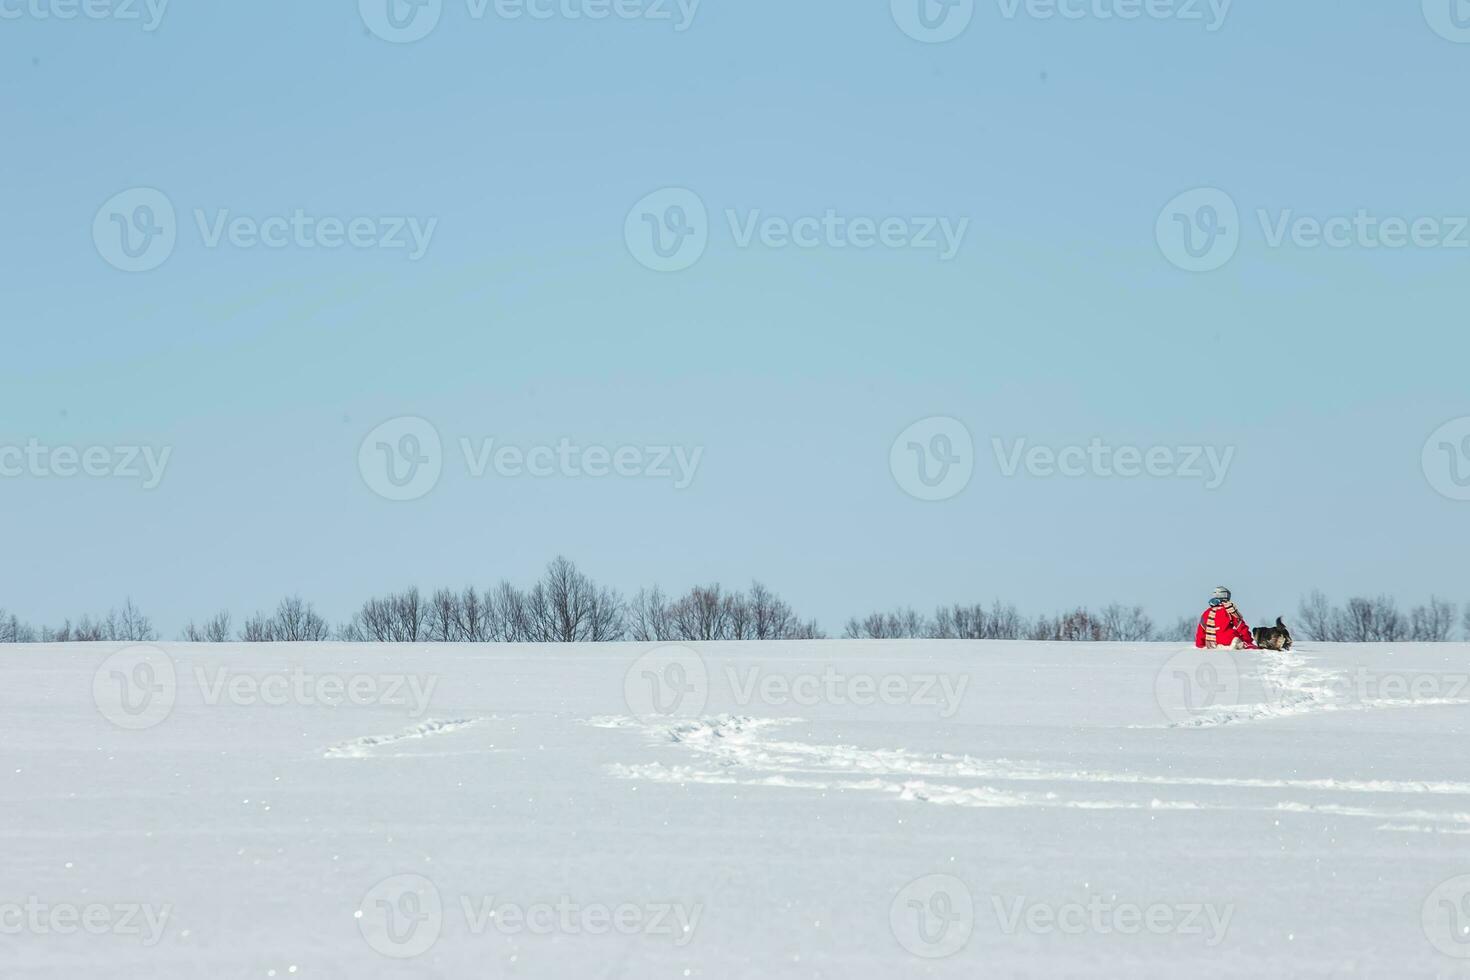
[1276, 637]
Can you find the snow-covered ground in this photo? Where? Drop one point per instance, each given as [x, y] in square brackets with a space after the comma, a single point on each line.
[821, 809]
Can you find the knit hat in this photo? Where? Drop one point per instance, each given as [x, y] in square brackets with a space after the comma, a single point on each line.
[1220, 595]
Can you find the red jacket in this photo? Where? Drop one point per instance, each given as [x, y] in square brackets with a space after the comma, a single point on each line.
[1227, 629]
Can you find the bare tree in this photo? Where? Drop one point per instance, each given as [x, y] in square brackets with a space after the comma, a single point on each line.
[565, 606]
[443, 616]
[1078, 625]
[297, 622]
[259, 628]
[127, 624]
[901, 624]
[772, 618]
[397, 618]
[471, 613]
[510, 619]
[1434, 623]
[958, 622]
[12, 630]
[1365, 620]
[132, 625]
[650, 618]
[708, 612]
[808, 630]
[1182, 631]
[739, 617]
[703, 614]
[1318, 619]
[1126, 624]
[215, 630]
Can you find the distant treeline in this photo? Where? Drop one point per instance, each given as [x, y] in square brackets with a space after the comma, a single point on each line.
[565, 606]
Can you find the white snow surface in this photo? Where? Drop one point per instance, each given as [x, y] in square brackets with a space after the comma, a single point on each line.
[839, 809]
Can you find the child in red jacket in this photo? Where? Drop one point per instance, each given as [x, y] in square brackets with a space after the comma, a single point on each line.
[1222, 625]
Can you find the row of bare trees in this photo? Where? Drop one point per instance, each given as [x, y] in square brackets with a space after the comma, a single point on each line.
[707, 612]
[565, 606]
[1378, 620]
[1002, 621]
[126, 624]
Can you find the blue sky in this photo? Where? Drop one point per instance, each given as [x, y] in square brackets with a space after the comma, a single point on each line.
[525, 143]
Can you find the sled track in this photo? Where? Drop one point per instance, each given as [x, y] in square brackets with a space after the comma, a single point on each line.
[371, 746]
[1293, 689]
[732, 750]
